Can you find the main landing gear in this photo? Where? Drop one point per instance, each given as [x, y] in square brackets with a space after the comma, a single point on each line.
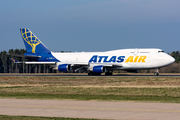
[90, 73]
[156, 73]
[108, 73]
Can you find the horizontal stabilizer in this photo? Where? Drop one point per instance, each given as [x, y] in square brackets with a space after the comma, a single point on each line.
[49, 63]
[28, 56]
[14, 61]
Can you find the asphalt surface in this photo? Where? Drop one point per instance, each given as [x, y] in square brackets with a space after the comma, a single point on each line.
[90, 109]
[85, 75]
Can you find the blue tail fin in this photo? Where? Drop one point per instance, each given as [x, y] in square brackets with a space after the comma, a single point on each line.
[32, 43]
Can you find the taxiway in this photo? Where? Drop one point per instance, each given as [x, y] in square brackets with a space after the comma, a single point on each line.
[90, 109]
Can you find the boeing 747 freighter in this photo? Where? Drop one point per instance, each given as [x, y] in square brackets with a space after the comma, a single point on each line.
[94, 63]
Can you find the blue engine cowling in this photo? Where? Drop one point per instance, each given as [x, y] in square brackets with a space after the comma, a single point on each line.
[64, 67]
[99, 69]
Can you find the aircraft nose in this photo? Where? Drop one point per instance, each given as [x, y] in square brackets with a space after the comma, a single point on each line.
[171, 59]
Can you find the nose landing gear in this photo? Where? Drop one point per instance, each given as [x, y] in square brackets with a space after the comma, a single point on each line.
[156, 73]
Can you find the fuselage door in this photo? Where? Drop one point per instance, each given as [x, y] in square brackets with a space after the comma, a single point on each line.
[136, 52]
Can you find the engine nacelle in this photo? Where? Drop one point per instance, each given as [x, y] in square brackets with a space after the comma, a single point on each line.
[64, 67]
[99, 69]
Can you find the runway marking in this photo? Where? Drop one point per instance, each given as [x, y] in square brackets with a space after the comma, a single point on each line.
[84, 108]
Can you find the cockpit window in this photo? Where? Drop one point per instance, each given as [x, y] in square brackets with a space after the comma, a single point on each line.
[160, 51]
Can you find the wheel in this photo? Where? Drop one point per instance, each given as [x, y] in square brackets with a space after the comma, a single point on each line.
[108, 73]
[156, 73]
[97, 73]
[90, 73]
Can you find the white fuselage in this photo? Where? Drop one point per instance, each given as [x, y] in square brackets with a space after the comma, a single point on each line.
[125, 59]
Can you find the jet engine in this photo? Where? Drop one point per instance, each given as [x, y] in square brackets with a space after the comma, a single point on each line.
[64, 67]
[98, 69]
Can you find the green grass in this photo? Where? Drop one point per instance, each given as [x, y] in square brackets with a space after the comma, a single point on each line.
[5, 117]
[108, 94]
[146, 89]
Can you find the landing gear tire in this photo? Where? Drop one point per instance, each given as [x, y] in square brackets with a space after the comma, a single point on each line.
[156, 73]
[92, 73]
[97, 73]
[108, 73]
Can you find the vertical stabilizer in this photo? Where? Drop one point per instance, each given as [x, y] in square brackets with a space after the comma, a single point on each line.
[32, 43]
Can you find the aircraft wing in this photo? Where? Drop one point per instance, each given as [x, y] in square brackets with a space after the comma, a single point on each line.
[70, 63]
[92, 64]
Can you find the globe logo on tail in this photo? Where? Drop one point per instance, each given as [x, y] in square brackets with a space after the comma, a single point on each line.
[30, 38]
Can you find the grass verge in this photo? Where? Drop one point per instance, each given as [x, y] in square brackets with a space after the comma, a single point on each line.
[5, 117]
[146, 89]
[171, 95]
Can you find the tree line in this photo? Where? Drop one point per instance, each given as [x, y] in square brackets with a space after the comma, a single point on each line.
[7, 66]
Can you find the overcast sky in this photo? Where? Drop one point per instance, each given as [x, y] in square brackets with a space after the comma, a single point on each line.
[92, 25]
